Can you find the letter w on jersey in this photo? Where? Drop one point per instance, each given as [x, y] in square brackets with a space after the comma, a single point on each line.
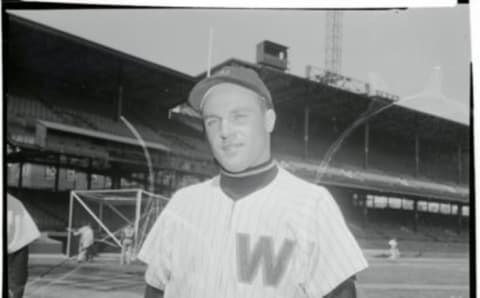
[249, 261]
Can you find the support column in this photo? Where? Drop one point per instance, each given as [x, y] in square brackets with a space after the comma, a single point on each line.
[89, 180]
[153, 181]
[459, 163]
[366, 145]
[57, 174]
[70, 221]
[415, 215]
[89, 174]
[364, 210]
[146, 181]
[138, 214]
[173, 182]
[459, 218]
[115, 181]
[20, 176]
[417, 155]
[119, 103]
[306, 129]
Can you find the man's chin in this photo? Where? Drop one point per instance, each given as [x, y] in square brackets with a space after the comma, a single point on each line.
[234, 167]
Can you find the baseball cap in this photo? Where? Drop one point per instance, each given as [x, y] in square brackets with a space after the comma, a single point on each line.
[239, 75]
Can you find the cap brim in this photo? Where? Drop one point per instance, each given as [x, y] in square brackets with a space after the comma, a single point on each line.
[198, 92]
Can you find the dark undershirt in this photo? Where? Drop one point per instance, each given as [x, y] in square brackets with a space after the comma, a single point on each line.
[240, 184]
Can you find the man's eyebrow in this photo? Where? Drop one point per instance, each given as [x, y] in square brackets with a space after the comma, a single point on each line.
[234, 111]
[209, 116]
[242, 109]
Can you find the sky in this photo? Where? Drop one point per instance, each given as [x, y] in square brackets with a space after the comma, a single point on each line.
[400, 48]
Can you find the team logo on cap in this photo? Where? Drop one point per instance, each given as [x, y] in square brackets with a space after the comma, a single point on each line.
[224, 71]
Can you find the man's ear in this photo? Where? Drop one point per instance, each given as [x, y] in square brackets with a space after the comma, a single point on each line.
[270, 118]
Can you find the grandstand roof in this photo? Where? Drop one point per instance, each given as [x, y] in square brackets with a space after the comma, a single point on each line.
[437, 105]
[42, 51]
[101, 135]
[431, 100]
[47, 52]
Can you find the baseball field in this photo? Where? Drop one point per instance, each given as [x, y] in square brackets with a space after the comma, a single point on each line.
[432, 277]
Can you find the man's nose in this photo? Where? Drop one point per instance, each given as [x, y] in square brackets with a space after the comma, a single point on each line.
[225, 128]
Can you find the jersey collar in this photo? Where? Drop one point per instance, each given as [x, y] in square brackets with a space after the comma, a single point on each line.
[239, 185]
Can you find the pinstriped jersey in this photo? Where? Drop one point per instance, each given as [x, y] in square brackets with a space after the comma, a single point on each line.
[287, 239]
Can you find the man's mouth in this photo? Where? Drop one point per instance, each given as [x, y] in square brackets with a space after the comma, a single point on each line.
[231, 147]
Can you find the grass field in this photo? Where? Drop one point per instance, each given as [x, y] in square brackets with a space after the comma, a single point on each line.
[415, 277]
[406, 277]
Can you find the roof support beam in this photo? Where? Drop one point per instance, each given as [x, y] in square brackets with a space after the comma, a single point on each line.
[417, 145]
[306, 128]
[119, 103]
[57, 173]
[363, 199]
[459, 163]
[417, 154]
[89, 174]
[366, 144]
[459, 218]
[20, 175]
[415, 215]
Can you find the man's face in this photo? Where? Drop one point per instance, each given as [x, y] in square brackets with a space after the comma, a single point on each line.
[238, 126]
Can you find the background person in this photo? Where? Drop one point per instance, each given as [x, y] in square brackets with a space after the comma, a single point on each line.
[86, 241]
[394, 252]
[21, 232]
[128, 235]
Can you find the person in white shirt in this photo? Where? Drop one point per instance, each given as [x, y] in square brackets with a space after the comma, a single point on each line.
[394, 252]
[21, 232]
[86, 241]
[128, 235]
[255, 230]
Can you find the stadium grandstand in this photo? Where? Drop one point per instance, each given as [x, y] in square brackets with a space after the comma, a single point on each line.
[64, 99]
[398, 173]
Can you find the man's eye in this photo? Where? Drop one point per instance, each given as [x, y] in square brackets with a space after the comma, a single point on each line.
[239, 116]
[210, 122]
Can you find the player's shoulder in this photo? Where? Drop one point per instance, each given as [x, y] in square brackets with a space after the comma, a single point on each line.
[304, 199]
[14, 203]
[191, 193]
[193, 190]
[302, 188]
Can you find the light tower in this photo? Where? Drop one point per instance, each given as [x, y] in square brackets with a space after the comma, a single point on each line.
[333, 41]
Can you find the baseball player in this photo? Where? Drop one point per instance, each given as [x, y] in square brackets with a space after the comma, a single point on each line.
[128, 235]
[86, 242]
[255, 230]
[394, 252]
